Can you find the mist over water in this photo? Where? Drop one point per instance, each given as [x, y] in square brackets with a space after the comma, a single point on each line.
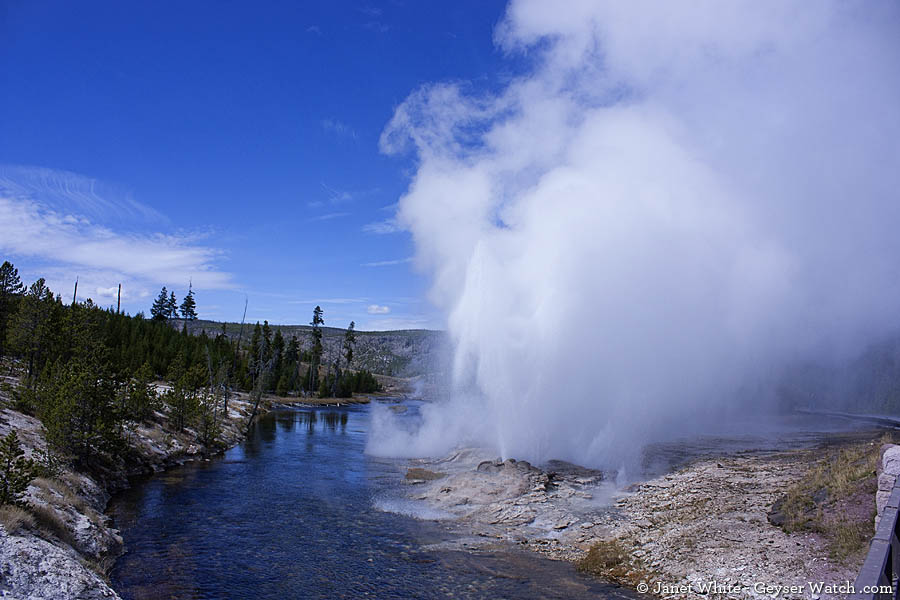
[637, 235]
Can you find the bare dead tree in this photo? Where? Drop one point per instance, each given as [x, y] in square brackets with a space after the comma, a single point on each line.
[237, 349]
[259, 385]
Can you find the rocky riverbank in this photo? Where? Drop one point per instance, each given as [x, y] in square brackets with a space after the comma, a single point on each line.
[62, 545]
[674, 535]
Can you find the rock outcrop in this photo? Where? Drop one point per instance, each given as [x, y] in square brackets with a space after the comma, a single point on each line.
[61, 547]
[32, 568]
[888, 470]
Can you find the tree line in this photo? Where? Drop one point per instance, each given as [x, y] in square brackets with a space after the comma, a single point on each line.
[88, 373]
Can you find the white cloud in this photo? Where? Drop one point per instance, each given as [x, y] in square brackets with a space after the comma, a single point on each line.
[375, 309]
[111, 292]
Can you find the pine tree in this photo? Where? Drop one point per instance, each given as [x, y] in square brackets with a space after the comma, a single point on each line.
[349, 341]
[183, 398]
[172, 307]
[10, 289]
[253, 359]
[277, 353]
[141, 395]
[284, 383]
[78, 409]
[160, 309]
[189, 306]
[16, 472]
[10, 283]
[292, 362]
[30, 328]
[267, 338]
[316, 352]
[206, 421]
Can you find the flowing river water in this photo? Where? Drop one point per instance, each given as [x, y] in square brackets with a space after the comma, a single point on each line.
[291, 513]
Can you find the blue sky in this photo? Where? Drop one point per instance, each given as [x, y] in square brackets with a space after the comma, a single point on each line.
[232, 144]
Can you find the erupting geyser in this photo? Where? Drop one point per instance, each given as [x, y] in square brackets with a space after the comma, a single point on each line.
[674, 201]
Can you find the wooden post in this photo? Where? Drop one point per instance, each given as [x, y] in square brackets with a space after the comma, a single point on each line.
[119, 299]
[75, 293]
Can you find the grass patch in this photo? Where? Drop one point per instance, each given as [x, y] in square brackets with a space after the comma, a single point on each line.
[846, 539]
[835, 498]
[610, 560]
[14, 519]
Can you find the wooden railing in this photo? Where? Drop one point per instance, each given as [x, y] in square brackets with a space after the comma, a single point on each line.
[878, 576]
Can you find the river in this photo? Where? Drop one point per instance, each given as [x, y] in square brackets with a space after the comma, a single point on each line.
[291, 513]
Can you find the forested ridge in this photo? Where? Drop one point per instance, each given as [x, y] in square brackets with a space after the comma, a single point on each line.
[88, 373]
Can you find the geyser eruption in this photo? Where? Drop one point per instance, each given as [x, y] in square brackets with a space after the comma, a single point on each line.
[674, 201]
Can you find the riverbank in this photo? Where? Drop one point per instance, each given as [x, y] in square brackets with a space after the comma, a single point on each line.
[711, 521]
[391, 387]
[288, 401]
[62, 545]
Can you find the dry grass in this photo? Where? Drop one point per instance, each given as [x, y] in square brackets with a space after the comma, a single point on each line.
[417, 474]
[102, 565]
[94, 517]
[610, 560]
[76, 501]
[51, 525]
[72, 481]
[60, 493]
[14, 519]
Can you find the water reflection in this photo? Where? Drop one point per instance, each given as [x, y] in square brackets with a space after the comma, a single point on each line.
[289, 514]
[286, 421]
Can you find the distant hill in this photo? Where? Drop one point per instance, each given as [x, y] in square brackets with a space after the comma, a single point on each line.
[401, 353]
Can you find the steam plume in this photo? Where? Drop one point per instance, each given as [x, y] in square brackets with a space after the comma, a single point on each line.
[673, 202]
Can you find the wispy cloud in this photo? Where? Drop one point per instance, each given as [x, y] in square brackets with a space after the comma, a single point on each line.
[336, 196]
[314, 29]
[370, 11]
[398, 323]
[75, 195]
[329, 216]
[71, 227]
[383, 227]
[376, 26]
[387, 263]
[376, 309]
[330, 301]
[339, 128]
